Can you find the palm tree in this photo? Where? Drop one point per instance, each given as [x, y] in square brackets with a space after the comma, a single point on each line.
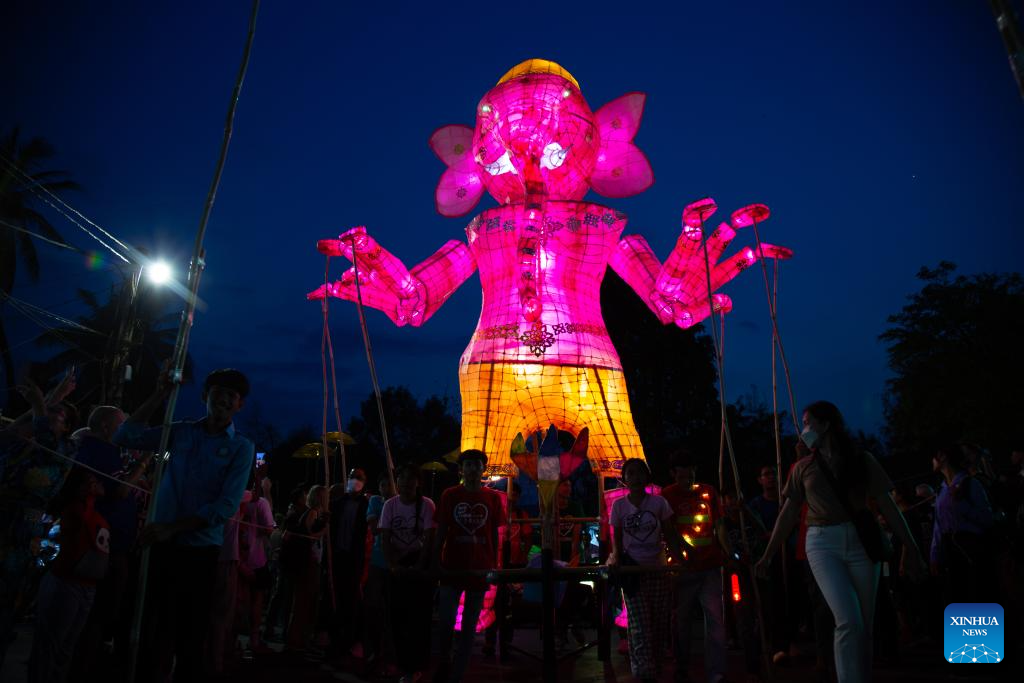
[21, 177]
[153, 319]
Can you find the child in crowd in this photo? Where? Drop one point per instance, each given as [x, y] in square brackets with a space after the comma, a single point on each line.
[642, 525]
[407, 533]
[254, 578]
[67, 591]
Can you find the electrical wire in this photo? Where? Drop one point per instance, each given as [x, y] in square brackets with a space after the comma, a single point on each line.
[44, 238]
[135, 487]
[33, 185]
[136, 257]
[56, 331]
[18, 303]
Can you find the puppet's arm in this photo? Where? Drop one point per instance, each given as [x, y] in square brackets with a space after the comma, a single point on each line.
[678, 290]
[407, 297]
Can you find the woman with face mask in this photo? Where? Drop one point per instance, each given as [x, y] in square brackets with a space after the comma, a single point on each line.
[844, 543]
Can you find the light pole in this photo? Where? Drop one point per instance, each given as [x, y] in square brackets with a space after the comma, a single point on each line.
[120, 371]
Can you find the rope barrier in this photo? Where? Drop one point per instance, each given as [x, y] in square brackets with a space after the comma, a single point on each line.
[141, 490]
[76, 463]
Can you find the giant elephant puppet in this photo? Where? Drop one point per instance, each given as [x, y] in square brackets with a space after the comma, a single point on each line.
[541, 354]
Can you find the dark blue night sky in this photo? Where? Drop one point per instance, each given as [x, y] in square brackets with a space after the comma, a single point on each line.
[884, 136]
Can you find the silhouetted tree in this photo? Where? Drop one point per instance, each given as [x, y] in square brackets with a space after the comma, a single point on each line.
[257, 427]
[753, 437]
[287, 472]
[22, 178]
[417, 432]
[670, 374]
[955, 353]
[89, 347]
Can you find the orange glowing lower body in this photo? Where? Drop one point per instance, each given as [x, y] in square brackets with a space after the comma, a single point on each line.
[500, 400]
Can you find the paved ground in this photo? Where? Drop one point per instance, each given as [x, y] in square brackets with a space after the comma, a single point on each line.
[921, 662]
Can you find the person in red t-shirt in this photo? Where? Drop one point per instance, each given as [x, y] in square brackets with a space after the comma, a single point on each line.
[67, 591]
[468, 519]
[696, 512]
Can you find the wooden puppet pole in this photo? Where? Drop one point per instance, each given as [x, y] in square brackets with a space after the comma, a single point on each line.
[198, 263]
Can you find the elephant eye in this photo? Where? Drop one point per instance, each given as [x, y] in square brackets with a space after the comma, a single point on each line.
[554, 156]
[502, 165]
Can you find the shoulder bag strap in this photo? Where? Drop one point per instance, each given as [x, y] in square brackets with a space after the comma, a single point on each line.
[844, 500]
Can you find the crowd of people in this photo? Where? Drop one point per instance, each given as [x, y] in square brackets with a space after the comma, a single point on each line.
[395, 585]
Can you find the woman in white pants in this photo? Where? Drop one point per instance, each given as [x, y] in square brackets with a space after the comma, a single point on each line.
[847, 576]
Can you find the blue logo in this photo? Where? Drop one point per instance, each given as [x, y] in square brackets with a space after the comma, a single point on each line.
[973, 633]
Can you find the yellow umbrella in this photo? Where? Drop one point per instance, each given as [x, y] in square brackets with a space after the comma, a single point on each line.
[434, 467]
[310, 451]
[332, 437]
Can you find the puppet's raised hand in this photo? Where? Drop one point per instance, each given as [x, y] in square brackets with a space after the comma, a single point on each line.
[407, 297]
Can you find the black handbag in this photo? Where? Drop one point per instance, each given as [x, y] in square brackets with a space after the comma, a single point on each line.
[876, 544]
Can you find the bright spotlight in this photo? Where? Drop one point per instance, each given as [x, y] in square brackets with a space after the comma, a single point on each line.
[159, 272]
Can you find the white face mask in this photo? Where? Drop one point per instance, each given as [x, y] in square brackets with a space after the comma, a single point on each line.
[809, 437]
[354, 486]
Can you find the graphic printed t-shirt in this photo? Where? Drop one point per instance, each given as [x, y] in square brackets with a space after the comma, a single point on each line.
[473, 519]
[121, 512]
[641, 527]
[84, 544]
[407, 534]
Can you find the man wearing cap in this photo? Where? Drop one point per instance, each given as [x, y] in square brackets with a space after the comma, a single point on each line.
[201, 489]
[467, 519]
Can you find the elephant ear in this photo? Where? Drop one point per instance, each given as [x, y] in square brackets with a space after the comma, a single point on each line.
[622, 170]
[461, 185]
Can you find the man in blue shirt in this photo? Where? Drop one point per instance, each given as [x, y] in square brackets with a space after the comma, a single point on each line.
[201, 488]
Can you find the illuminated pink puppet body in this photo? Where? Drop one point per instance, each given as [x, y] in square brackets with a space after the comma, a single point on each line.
[541, 354]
